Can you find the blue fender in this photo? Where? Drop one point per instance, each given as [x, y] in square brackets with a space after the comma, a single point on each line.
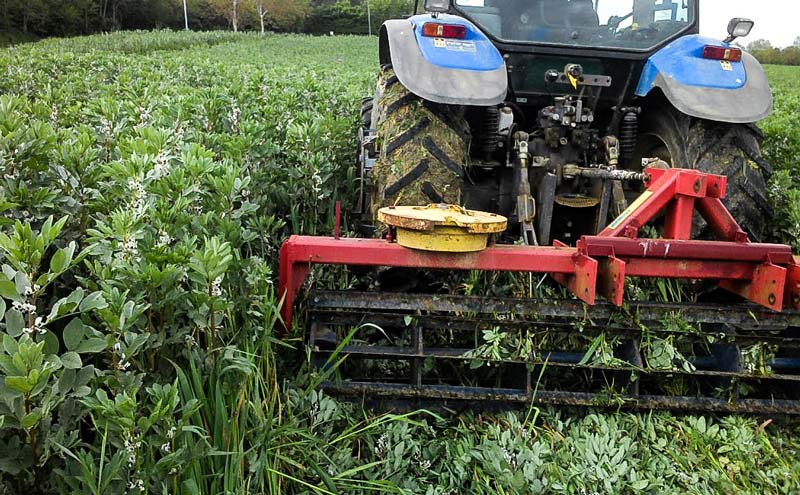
[735, 92]
[469, 71]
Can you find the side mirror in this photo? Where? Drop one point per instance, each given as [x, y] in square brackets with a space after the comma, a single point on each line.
[437, 6]
[739, 27]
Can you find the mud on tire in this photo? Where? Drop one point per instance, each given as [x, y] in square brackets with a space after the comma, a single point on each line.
[732, 150]
[422, 148]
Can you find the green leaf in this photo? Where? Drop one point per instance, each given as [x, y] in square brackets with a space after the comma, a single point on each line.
[7, 364]
[2, 308]
[14, 323]
[58, 263]
[30, 420]
[8, 289]
[19, 384]
[93, 301]
[74, 333]
[92, 345]
[51, 343]
[10, 344]
[71, 360]
[639, 485]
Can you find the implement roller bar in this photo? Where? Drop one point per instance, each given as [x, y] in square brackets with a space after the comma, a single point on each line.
[558, 398]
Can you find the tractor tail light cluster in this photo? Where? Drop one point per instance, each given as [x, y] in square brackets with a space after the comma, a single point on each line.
[722, 53]
[437, 30]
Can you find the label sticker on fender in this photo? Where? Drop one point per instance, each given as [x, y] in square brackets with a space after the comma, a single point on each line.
[726, 65]
[439, 42]
[460, 46]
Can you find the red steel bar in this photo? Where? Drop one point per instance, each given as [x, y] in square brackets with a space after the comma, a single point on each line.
[767, 274]
[300, 252]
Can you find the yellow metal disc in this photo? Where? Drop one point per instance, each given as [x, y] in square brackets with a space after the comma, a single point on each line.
[577, 201]
[442, 227]
[442, 239]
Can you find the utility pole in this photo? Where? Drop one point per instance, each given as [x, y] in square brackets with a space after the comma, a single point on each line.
[185, 16]
[369, 19]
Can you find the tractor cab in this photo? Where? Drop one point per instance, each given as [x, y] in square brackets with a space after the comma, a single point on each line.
[640, 25]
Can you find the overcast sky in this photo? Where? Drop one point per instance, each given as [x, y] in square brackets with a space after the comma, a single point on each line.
[776, 20]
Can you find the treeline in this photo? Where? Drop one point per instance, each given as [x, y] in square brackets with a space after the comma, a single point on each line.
[41, 18]
[776, 56]
[767, 54]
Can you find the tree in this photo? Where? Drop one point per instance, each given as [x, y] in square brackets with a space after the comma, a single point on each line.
[759, 45]
[235, 16]
[185, 16]
[285, 15]
[261, 10]
[796, 42]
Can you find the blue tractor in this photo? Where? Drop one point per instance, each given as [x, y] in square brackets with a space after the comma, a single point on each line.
[546, 111]
[556, 114]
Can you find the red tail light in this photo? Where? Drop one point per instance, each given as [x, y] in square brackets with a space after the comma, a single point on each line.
[436, 30]
[722, 53]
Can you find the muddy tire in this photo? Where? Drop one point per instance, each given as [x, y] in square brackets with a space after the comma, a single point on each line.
[732, 150]
[366, 112]
[422, 148]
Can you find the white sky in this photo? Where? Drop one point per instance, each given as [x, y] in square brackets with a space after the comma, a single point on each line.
[776, 20]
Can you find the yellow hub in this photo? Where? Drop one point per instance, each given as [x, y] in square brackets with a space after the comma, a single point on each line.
[442, 227]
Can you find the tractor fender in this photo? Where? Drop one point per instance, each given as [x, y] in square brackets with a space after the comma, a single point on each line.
[467, 71]
[734, 92]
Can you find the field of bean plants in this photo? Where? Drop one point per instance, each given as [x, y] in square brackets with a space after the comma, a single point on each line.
[148, 180]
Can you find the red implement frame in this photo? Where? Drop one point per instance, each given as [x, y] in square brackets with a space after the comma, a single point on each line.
[766, 274]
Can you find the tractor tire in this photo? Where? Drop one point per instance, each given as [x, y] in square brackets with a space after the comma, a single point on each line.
[732, 150]
[366, 112]
[422, 148]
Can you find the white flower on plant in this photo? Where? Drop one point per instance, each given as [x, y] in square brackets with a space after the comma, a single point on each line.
[131, 446]
[166, 447]
[138, 194]
[161, 167]
[144, 117]
[23, 307]
[235, 116]
[179, 134]
[36, 327]
[105, 127]
[136, 484]
[380, 446]
[316, 182]
[53, 115]
[123, 365]
[216, 289]
[117, 347]
[164, 239]
[171, 432]
[425, 464]
[510, 458]
[130, 250]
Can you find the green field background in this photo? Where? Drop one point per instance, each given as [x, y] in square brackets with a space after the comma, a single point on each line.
[179, 162]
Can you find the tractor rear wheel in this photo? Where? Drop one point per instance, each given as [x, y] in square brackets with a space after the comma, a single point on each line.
[732, 150]
[422, 148]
